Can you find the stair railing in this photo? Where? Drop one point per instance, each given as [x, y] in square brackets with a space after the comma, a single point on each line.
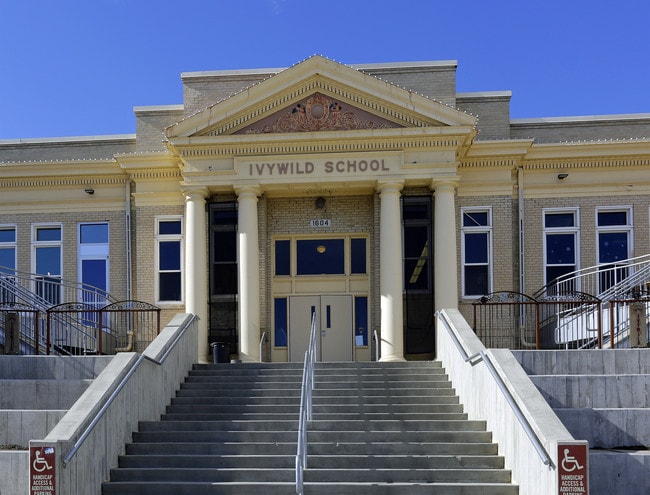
[481, 356]
[305, 406]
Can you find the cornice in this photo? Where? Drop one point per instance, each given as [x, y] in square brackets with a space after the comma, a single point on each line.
[587, 162]
[23, 182]
[324, 142]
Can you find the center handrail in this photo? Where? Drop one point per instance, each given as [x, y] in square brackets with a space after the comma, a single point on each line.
[305, 406]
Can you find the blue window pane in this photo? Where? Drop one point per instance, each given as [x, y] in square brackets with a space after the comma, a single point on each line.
[48, 260]
[283, 257]
[94, 274]
[169, 227]
[358, 256]
[280, 331]
[224, 245]
[416, 274]
[476, 248]
[555, 220]
[320, 256]
[93, 233]
[170, 255]
[416, 210]
[612, 246]
[8, 258]
[476, 280]
[553, 272]
[560, 249]
[170, 286]
[416, 241]
[8, 235]
[361, 320]
[608, 218]
[48, 234]
[475, 219]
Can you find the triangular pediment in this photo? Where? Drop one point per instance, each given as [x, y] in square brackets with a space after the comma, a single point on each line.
[318, 95]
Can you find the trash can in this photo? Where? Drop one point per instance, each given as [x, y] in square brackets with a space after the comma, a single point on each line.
[220, 352]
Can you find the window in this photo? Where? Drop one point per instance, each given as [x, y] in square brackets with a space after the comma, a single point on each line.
[361, 320]
[47, 256]
[476, 247]
[7, 262]
[283, 257]
[419, 315]
[169, 259]
[561, 235]
[223, 272]
[281, 320]
[7, 247]
[614, 228]
[320, 256]
[93, 260]
[358, 256]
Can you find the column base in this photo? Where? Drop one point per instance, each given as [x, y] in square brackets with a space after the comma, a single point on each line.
[392, 359]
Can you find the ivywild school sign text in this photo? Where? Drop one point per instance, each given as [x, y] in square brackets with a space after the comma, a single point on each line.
[278, 169]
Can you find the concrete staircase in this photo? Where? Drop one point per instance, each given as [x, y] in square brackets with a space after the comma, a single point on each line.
[602, 396]
[380, 428]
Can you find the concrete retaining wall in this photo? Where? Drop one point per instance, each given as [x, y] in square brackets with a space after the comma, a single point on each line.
[483, 399]
[147, 382]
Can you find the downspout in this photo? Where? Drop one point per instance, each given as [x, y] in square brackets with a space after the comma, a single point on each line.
[129, 271]
[520, 221]
[127, 219]
[522, 260]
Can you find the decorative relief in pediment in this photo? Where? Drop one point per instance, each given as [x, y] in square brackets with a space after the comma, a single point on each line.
[318, 112]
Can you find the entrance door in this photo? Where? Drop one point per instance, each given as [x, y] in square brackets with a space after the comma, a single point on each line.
[333, 324]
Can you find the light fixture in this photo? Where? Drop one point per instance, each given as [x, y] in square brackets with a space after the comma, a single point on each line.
[562, 176]
[89, 190]
[320, 202]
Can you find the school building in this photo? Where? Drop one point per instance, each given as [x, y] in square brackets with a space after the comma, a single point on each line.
[370, 196]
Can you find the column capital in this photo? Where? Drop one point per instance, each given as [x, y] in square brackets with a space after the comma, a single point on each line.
[250, 190]
[194, 193]
[441, 183]
[394, 186]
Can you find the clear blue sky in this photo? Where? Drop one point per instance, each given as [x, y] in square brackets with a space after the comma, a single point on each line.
[78, 67]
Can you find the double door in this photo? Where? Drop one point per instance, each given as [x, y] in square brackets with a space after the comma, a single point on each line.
[335, 335]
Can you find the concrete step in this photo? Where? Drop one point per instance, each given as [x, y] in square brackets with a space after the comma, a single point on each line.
[624, 391]
[393, 428]
[331, 475]
[315, 461]
[170, 488]
[377, 448]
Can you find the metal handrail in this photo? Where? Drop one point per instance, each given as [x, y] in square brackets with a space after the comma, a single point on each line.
[374, 335]
[262, 346]
[305, 406]
[482, 356]
[75, 448]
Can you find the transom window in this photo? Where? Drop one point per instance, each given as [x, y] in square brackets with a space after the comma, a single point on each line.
[345, 255]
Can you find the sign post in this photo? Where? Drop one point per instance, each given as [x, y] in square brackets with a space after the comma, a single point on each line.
[42, 471]
[573, 468]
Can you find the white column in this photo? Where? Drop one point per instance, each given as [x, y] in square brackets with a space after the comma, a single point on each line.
[249, 273]
[444, 252]
[196, 265]
[390, 278]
